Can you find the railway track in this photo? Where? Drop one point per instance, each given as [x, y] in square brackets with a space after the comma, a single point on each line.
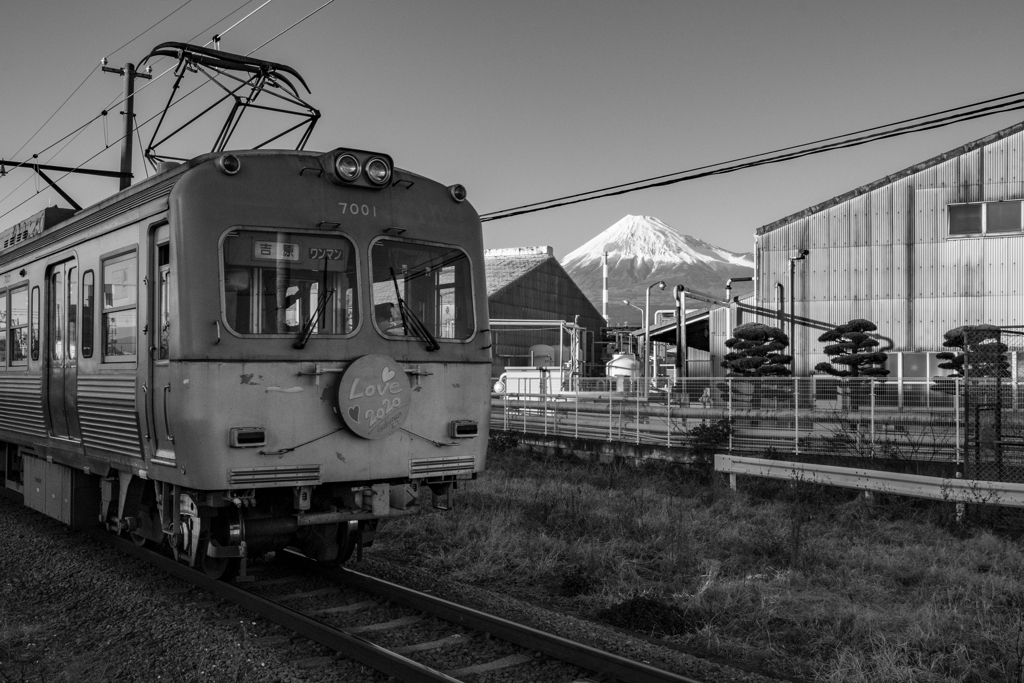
[402, 633]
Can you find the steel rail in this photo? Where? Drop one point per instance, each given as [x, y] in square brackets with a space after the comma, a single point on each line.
[354, 647]
[557, 647]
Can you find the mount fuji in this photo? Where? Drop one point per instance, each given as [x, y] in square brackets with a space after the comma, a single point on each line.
[643, 250]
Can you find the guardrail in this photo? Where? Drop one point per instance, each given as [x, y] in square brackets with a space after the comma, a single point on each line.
[914, 485]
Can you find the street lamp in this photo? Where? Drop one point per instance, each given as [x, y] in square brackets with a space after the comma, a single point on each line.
[801, 255]
[647, 333]
[627, 302]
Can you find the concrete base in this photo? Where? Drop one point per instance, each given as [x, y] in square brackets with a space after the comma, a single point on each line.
[598, 451]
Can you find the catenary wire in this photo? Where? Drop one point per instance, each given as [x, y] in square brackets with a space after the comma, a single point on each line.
[91, 72]
[26, 200]
[291, 27]
[114, 102]
[763, 158]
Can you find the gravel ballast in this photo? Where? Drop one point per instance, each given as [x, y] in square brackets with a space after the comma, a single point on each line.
[73, 609]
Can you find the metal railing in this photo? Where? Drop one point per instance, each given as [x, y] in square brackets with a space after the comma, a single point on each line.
[951, 490]
[920, 420]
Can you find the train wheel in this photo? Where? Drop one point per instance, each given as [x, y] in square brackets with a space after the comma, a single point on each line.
[217, 568]
[141, 541]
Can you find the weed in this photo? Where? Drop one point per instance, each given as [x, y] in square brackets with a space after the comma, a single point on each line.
[502, 442]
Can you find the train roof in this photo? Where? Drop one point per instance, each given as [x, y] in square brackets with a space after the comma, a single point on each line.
[52, 223]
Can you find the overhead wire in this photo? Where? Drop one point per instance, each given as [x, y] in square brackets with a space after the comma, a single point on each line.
[139, 126]
[114, 102]
[290, 27]
[87, 76]
[923, 123]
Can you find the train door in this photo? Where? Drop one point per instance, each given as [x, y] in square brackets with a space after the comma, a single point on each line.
[62, 349]
[159, 347]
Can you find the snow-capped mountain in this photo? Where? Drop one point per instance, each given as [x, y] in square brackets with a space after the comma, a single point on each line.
[643, 250]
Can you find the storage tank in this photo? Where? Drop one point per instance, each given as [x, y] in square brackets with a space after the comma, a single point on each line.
[542, 355]
[621, 365]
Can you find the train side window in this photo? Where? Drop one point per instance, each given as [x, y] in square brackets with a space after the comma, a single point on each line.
[163, 305]
[88, 306]
[120, 314]
[3, 330]
[18, 326]
[72, 309]
[35, 324]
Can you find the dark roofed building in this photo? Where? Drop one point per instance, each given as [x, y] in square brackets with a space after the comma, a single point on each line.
[528, 283]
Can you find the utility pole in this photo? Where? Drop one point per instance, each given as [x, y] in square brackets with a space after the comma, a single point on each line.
[129, 116]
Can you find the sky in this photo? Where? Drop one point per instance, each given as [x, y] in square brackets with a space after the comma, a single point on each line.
[531, 100]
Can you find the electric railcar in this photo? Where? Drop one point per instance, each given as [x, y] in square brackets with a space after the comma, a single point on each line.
[249, 351]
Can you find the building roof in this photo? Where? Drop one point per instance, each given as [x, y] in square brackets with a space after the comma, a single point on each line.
[505, 266]
[881, 182]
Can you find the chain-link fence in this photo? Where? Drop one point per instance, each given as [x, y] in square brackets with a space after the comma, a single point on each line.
[827, 416]
[993, 404]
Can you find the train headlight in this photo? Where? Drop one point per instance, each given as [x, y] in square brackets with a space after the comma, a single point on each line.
[347, 166]
[358, 168]
[378, 171]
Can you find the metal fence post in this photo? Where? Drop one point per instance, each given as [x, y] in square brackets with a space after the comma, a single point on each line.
[576, 417]
[956, 418]
[872, 385]
[732, 425]
[637, 416]
[668, 418]
[609, 416]
[544, 398]
[796, 415]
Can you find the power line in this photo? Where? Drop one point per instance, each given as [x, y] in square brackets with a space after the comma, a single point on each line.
[158, 113]
[291, 27]
[917, 124]
[91, 72]
[114, 102]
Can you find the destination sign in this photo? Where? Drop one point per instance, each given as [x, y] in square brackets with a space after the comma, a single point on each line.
[265, 250]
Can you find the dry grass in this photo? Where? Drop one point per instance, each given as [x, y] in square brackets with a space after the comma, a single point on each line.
[794, 579]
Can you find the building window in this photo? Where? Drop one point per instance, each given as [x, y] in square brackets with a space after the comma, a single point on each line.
[120, 299]
[985, 218]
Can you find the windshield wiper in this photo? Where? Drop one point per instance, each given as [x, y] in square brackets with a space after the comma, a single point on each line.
[410, 321]
[321, 306]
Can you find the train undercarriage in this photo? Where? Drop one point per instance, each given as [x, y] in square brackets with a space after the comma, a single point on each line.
[217, 532]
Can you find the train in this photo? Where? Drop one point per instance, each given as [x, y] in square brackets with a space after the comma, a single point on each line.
[248, 351]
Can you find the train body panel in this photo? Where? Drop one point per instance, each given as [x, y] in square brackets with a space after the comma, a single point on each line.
[250, 339]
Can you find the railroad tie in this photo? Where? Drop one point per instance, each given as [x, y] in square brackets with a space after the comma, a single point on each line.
[307, 594]
[497, 664]
[383, 626]
[341, 609]
[450, 641]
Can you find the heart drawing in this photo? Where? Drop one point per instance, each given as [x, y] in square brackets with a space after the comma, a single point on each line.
[353, 413]
[386, 374]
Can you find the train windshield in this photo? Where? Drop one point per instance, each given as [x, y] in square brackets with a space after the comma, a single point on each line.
[421, 290]
[289, 283]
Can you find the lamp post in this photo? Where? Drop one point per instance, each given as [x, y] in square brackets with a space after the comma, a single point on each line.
[627, 302]
[801, 255]
[647, 333]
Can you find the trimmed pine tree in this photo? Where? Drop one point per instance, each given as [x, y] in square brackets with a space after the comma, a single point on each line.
[851, 351]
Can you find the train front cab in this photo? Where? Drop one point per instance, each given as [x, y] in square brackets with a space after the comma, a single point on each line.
[312, 366]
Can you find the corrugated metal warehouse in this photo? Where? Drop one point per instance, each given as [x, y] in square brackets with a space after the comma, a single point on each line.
[919, 252]
[528, 283]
